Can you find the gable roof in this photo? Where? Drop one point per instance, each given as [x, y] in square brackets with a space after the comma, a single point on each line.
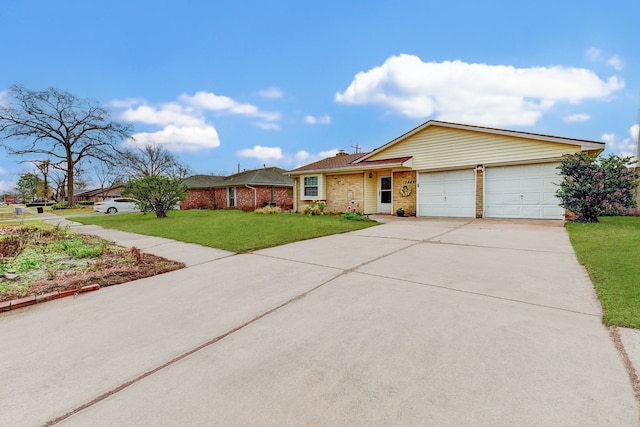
[265, 176]
[585, 145]
[203, 181]
[335, 162]
[97, 191]
[347, 162]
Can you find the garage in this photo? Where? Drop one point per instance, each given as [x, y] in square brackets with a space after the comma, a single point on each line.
[448, 193]
[524, 191]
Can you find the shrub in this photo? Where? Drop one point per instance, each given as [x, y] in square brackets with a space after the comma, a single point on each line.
[61, 205]
[355, 216]
[269, 210]
[592, 187]
[315, 208]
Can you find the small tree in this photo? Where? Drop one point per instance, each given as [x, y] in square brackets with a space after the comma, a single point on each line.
[593, 186]
[158, 193]
[27, 186]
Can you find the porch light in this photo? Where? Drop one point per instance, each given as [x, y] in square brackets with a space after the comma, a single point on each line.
[370, 175]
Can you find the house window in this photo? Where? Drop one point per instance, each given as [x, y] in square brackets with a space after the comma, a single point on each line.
[232, 197]
[310, 186]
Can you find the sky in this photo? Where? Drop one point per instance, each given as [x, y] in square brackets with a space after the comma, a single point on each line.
[235, 85]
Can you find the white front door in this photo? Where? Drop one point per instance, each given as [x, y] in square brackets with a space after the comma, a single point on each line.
[384, 194]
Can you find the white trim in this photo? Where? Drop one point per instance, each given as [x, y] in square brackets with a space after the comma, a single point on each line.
[235, 197]
[318, 187]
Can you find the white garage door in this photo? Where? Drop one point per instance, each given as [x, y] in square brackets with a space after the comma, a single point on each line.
[450, 193]
[522, 192]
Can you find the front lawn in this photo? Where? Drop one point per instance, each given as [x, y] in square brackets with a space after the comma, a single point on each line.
[610, 250]
[231, 230]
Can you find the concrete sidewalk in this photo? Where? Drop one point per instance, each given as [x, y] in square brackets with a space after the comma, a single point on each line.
[430, 322]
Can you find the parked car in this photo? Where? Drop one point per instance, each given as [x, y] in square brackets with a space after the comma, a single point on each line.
[120, 204]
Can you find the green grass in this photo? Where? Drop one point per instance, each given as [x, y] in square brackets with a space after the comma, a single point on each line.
[230, 230]
[610, 250]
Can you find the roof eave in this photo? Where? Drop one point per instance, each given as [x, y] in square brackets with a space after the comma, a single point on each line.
[356, 168]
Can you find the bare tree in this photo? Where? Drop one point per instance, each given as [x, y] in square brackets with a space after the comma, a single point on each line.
[61, 126]
[106, 174]
[153, 160]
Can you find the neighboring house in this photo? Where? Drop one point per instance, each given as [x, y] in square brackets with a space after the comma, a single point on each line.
[246, 190]
[99, 194]
[442, 169]
[201, 192]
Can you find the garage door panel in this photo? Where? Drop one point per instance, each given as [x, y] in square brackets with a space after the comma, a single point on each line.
[450, 193]
[526, 191]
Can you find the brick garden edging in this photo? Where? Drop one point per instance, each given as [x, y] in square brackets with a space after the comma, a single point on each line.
[38, 299]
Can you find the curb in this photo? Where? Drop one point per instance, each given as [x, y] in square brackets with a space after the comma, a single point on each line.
[39, 299]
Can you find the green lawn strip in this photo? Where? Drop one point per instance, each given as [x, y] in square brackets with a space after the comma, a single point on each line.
[231, 230]
[610, 250]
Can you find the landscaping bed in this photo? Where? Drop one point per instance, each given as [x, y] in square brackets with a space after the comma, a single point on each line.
[37, 261]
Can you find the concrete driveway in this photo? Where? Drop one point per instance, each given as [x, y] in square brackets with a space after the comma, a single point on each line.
[414, 322]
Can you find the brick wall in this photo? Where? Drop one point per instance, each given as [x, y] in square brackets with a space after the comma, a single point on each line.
[408, 203]
[198, 199]
[217, 198]
[479, 193]
[342, 189]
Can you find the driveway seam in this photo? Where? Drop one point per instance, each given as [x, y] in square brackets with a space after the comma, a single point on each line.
[479, 294]
[186, 354]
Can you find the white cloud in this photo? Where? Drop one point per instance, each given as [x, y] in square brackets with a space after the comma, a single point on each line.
[576, 118]
[266, 125]
[598, 55]
[626, 146]
[275, 155]
[125, 103]
[322, 120]
[615, 62]
[594, 54]
[262, 153]
[175, 138]
[4, 98]
[492, 95]
[167, 114]
[184, 124]
[7, 186]
[271, 93]
[303, 157]
[211, 101]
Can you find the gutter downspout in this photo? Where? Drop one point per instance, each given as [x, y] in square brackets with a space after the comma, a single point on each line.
[255, 196]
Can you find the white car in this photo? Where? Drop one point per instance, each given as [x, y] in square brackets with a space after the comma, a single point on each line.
[120, 204]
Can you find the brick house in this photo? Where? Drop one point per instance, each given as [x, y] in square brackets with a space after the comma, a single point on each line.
[442, 169]
[99, 194]
[245, 190]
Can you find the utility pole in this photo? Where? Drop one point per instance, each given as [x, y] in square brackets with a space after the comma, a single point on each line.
[357, 147]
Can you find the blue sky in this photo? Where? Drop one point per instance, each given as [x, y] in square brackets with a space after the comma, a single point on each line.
[284, 83]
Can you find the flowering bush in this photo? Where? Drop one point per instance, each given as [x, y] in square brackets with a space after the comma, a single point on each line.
[315, 208]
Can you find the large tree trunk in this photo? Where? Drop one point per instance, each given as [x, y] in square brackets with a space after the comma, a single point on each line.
[69, 182]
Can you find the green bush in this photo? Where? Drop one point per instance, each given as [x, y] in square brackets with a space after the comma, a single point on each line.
[355, 216]
[593, 186]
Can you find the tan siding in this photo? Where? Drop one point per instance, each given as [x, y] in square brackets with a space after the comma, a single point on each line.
[371, 193]
[438, 147]
[343, 191]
